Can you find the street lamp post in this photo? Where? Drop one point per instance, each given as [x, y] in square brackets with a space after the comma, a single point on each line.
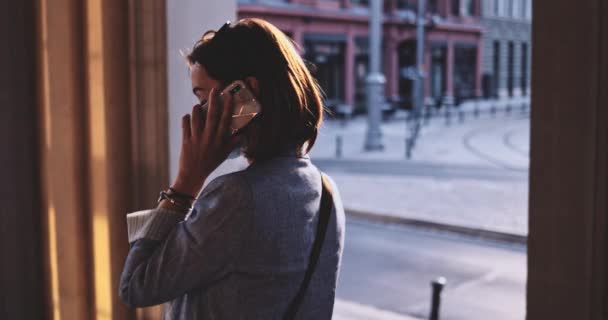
[418, 83]
[375, 80]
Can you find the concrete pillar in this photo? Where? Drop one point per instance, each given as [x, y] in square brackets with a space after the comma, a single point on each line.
[479, 69]
[427, 70]
[349, 69]
[392, 68]
[446, 5]
[449, 89]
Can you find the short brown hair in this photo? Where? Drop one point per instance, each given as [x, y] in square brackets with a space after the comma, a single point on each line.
[292, 107]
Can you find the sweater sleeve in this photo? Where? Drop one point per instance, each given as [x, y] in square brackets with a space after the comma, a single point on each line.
[170, 256]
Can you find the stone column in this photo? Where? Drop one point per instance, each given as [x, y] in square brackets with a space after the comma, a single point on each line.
[392, 68]
[447, 8]
[427, 70]
[449, 90]
[479, 69]
[349, 67]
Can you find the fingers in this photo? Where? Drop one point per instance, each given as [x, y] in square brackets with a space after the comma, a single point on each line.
[224, 129]
[186, 130]
[197, 119]
[213, 115]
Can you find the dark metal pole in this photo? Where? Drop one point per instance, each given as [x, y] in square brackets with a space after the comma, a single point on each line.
[419, 83]
[437, 286]
[375, 80]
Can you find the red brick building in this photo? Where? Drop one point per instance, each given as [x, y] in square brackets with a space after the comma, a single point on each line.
[334, 36]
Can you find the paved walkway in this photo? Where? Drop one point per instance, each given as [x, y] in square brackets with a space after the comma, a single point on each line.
[348, 310]
[472, 174]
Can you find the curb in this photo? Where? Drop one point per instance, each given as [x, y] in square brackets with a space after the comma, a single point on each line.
[430, 225]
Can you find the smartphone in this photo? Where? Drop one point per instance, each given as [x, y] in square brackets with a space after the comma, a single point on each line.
[244, 105]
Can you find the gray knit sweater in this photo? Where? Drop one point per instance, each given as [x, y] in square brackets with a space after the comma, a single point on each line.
[243, 250]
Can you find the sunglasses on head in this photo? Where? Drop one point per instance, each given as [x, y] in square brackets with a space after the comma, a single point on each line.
[214, 34]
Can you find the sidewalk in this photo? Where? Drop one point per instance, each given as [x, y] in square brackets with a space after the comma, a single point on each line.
[466, 177]
[348, 310]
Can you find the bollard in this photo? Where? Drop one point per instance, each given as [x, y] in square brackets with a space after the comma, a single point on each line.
[447, 114]
[460, 114]
[476, 108]
[493, 110]
[523, 107]
[427, 114]
[508, 108]
[437, 286]
[338, 146]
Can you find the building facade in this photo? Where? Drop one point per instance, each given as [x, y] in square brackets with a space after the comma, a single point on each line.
[507, 47]
[334, 36]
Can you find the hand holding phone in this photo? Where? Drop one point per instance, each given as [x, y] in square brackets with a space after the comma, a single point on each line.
[245, 107]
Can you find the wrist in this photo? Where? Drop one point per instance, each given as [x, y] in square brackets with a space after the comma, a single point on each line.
[188, 188]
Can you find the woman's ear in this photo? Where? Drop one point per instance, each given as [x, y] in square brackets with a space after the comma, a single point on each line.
[253, 84]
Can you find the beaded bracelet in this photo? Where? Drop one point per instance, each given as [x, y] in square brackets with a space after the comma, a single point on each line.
[165, 196]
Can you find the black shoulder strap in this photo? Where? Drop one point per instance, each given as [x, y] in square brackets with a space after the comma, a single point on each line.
[324, 215]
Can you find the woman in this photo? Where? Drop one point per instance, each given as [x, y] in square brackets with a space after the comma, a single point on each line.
[255, 245]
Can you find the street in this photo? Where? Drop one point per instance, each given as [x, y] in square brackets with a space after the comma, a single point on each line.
[390, 268]
[472, 174]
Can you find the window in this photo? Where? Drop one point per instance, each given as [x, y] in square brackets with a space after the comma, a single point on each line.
[467, 8]
[463, 8]
[498, 7]
[510, 6]
[496, 69]
[487, 7]
[523, 8]
[465, 59]
[407, 5]
[360, 2]
[515, 4]
[432, 6]
[438, 68]
[455, 7]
